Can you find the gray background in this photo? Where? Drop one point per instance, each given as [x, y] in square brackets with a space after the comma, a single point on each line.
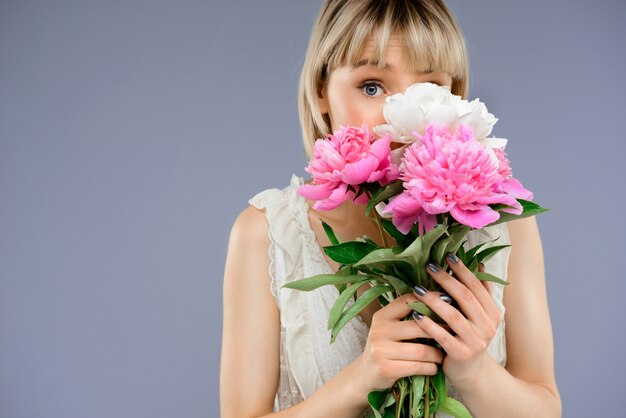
[133, 132]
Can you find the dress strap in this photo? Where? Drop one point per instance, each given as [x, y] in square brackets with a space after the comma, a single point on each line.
[286, 229]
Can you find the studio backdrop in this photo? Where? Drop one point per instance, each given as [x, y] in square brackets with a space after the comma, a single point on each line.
[132, 133]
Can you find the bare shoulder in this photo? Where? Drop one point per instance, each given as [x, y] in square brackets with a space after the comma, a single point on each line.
[250, 227]
[248, 247]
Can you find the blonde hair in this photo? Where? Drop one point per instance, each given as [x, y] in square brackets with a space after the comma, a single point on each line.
[430, 35]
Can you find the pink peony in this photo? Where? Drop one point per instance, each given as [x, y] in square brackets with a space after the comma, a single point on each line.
[348, 157]
[510, 185]
[449, 171]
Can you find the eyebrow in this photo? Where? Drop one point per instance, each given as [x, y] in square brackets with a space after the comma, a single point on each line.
[368, 62]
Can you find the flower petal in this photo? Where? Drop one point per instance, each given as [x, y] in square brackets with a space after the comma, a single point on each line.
[475, 218]
[315, 191]
[405, 211]
[381, 148]
[357, 172]
[514, 188]
[336, 198]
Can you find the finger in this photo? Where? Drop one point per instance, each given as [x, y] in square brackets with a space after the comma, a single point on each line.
[415, 352]
[467, 300]
[452, 316]
[448, 342]
[397, 308]
[475, 286]
[405, 330]
[487, 284]
[403, 368]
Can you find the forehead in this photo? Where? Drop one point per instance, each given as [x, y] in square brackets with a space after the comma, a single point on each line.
[388, 57]
[391, 54]
[424, 51]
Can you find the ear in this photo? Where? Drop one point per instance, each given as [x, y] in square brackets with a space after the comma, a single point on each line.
[322, 101]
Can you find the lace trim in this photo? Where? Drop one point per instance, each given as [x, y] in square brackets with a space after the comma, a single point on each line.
[260, 202]
[272, 268]
[300, 211]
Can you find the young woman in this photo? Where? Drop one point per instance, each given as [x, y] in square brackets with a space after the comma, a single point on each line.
[276, 356]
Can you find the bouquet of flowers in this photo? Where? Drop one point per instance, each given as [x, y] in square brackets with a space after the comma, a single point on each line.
[445, 179]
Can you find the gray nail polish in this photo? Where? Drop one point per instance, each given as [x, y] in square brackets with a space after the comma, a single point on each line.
[433, 267]
[445, 297]
[452, 258]
[419, 290]
[417, 315]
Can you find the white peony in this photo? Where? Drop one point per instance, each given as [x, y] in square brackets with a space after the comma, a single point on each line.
[427, 103]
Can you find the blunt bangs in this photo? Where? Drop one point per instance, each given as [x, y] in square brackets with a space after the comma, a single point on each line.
[430, 44]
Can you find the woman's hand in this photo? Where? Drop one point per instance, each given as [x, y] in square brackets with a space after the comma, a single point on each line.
[475, 326]
[387, 357]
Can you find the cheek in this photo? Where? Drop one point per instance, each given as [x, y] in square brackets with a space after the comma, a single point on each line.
[356, 111]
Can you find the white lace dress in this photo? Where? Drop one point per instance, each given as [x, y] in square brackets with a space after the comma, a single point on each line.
[307, 359]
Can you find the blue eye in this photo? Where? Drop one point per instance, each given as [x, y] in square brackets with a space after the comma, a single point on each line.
[370, 88]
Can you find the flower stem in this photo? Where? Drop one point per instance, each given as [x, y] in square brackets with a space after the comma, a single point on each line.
[376, 219]
[427, 399]
[380, 230]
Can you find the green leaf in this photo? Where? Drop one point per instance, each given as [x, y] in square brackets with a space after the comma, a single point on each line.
[417, 386]
[340, 304]
[440, 249]
[366, 298]
[420, 247]
[376, 398]
[399, 285]
[359, 193]
[390, 400]
[349, 252]
[472, 265]
[455, 408]
[383, 194]
[471, 253]
[439, 384]
[400, 239]
[404, 273]
[489, 278]
[487, 253]
[382, 256]
[457, 235]
[419, 251]
[531, 206]
[330, 233]
[320, 280]
[389, 412]
[462, 254]
[528, 209]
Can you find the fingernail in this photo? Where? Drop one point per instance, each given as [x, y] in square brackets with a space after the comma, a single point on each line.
[445, 297]
[419, 290]
[452, 258]
[417, 316]
[433, 267]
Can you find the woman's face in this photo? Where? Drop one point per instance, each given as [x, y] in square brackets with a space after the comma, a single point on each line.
[357, 94]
